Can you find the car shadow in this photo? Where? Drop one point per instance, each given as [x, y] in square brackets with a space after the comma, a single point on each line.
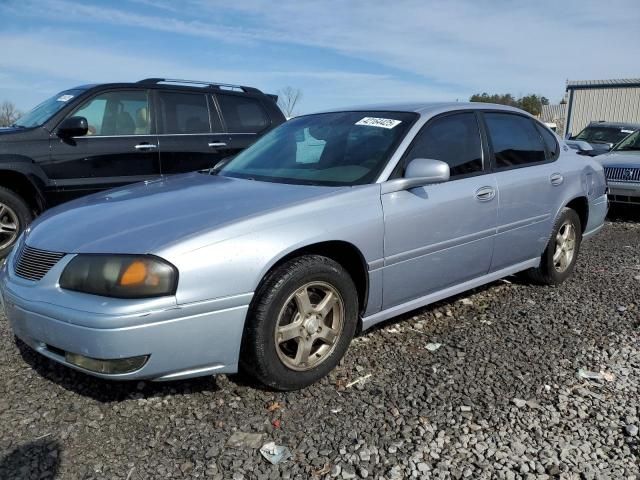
[624, 213]
[37, 459]
[106, 391]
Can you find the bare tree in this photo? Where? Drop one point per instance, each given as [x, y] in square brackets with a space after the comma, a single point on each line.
[8, 114]
[288, 98]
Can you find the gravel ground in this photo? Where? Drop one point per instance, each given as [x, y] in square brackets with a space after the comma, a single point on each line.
[500, 398]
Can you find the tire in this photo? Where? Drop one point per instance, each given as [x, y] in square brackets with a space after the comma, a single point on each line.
[283, 328]
[555, 271]
[14, 211]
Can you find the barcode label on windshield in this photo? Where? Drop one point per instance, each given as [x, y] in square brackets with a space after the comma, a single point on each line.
[64, 98]
[379, 122]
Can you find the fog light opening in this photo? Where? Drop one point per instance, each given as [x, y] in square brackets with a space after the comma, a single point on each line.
[116, 366]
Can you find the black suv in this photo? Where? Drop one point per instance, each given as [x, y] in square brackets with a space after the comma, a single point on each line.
[94, 137]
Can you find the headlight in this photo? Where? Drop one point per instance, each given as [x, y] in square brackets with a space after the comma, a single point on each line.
[121, 276]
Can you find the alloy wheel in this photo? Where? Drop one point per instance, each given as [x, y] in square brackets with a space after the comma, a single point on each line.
[9, 226]
[565, 247]
[309, 326]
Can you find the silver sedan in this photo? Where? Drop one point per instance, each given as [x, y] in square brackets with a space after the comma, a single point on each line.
[326, 226]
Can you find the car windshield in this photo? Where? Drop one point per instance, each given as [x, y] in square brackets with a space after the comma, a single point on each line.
[632, 142]
[603, 134]
[342, 148]
[43, 112]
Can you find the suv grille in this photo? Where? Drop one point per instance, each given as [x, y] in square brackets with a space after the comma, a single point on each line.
[33, 263]
[622, 174]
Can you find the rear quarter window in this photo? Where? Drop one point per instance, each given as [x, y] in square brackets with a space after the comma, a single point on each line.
[242, 114]
[550, 142]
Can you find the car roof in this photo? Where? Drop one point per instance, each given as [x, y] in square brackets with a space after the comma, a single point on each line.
[188, 85]
[424, 108]
[634, 126]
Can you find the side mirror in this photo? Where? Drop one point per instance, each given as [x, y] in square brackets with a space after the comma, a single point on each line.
[579, 145]
[73, 127]
[419, 172]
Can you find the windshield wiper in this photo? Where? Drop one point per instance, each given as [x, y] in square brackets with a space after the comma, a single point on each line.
[15, 125]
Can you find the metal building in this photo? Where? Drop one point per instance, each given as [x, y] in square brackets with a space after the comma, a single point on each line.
[608, 100]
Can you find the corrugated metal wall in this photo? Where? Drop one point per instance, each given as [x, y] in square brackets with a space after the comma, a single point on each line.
[609, 104]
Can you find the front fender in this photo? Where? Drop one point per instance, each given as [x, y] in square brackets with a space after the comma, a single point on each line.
[236, 265]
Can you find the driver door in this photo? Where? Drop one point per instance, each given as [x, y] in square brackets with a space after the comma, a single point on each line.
[120, 147]
[441, 235]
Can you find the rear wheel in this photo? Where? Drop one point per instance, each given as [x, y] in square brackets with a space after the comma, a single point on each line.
[15, 215]
[300, 324]
[559, 258]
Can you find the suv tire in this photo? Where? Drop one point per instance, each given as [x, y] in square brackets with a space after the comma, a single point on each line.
[300, 323]
[15, 215]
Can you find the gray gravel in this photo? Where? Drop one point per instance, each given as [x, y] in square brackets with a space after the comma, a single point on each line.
[501, 397]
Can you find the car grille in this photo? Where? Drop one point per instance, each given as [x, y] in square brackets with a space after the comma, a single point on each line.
[33, 263]
[622, 174]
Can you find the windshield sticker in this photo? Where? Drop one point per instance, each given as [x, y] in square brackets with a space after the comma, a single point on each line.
[626, 131]
[379, 122]
[64, 98]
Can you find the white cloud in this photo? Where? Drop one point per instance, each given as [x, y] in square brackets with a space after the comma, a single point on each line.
[436, 50]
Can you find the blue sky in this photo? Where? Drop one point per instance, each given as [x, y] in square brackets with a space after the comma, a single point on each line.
[338, 52]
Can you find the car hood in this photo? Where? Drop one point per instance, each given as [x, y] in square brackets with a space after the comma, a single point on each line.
[631, 158]
[146, 217]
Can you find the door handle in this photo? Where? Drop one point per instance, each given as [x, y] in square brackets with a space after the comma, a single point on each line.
[556, 179]
[145, 146]
[217, 144]
[485, 194]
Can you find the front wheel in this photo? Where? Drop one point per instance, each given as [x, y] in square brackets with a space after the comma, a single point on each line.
[300, 324]
[14, 218]
[559, 258]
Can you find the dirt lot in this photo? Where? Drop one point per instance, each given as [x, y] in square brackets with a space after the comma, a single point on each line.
[500, 398]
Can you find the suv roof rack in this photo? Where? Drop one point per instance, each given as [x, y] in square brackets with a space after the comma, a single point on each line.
[219, 86]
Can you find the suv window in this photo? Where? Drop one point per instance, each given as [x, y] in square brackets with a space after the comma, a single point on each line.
[550, 142]
[120, 112]
[454, 139]
[185, 113]
[515, 140]
[242, 114]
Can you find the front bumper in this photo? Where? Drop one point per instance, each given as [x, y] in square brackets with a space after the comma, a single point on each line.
[624, 192]
[181, 341]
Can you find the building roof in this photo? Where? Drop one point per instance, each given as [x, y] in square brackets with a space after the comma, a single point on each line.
[613, 83]
[551, 113]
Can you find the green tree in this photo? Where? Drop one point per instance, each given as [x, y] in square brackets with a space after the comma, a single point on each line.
[531, 103]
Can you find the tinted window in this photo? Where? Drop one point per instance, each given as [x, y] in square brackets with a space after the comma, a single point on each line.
[341, 148]
[122, 112]
[185, 113]
[600, 134]
[515, 140]
[242, 115]
[550, 142]
[454, 139]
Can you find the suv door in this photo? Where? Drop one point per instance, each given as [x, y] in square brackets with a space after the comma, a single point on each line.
[119, 148]
[190, 132]
[441, 235]
[245, 119]
[530, 187]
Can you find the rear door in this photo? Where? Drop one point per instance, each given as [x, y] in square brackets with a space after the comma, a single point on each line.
[190, 132]
[120, 147]
[530, 187]
[441, 235]
[245, 119]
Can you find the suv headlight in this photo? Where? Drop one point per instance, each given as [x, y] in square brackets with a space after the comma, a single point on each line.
[120, 276]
